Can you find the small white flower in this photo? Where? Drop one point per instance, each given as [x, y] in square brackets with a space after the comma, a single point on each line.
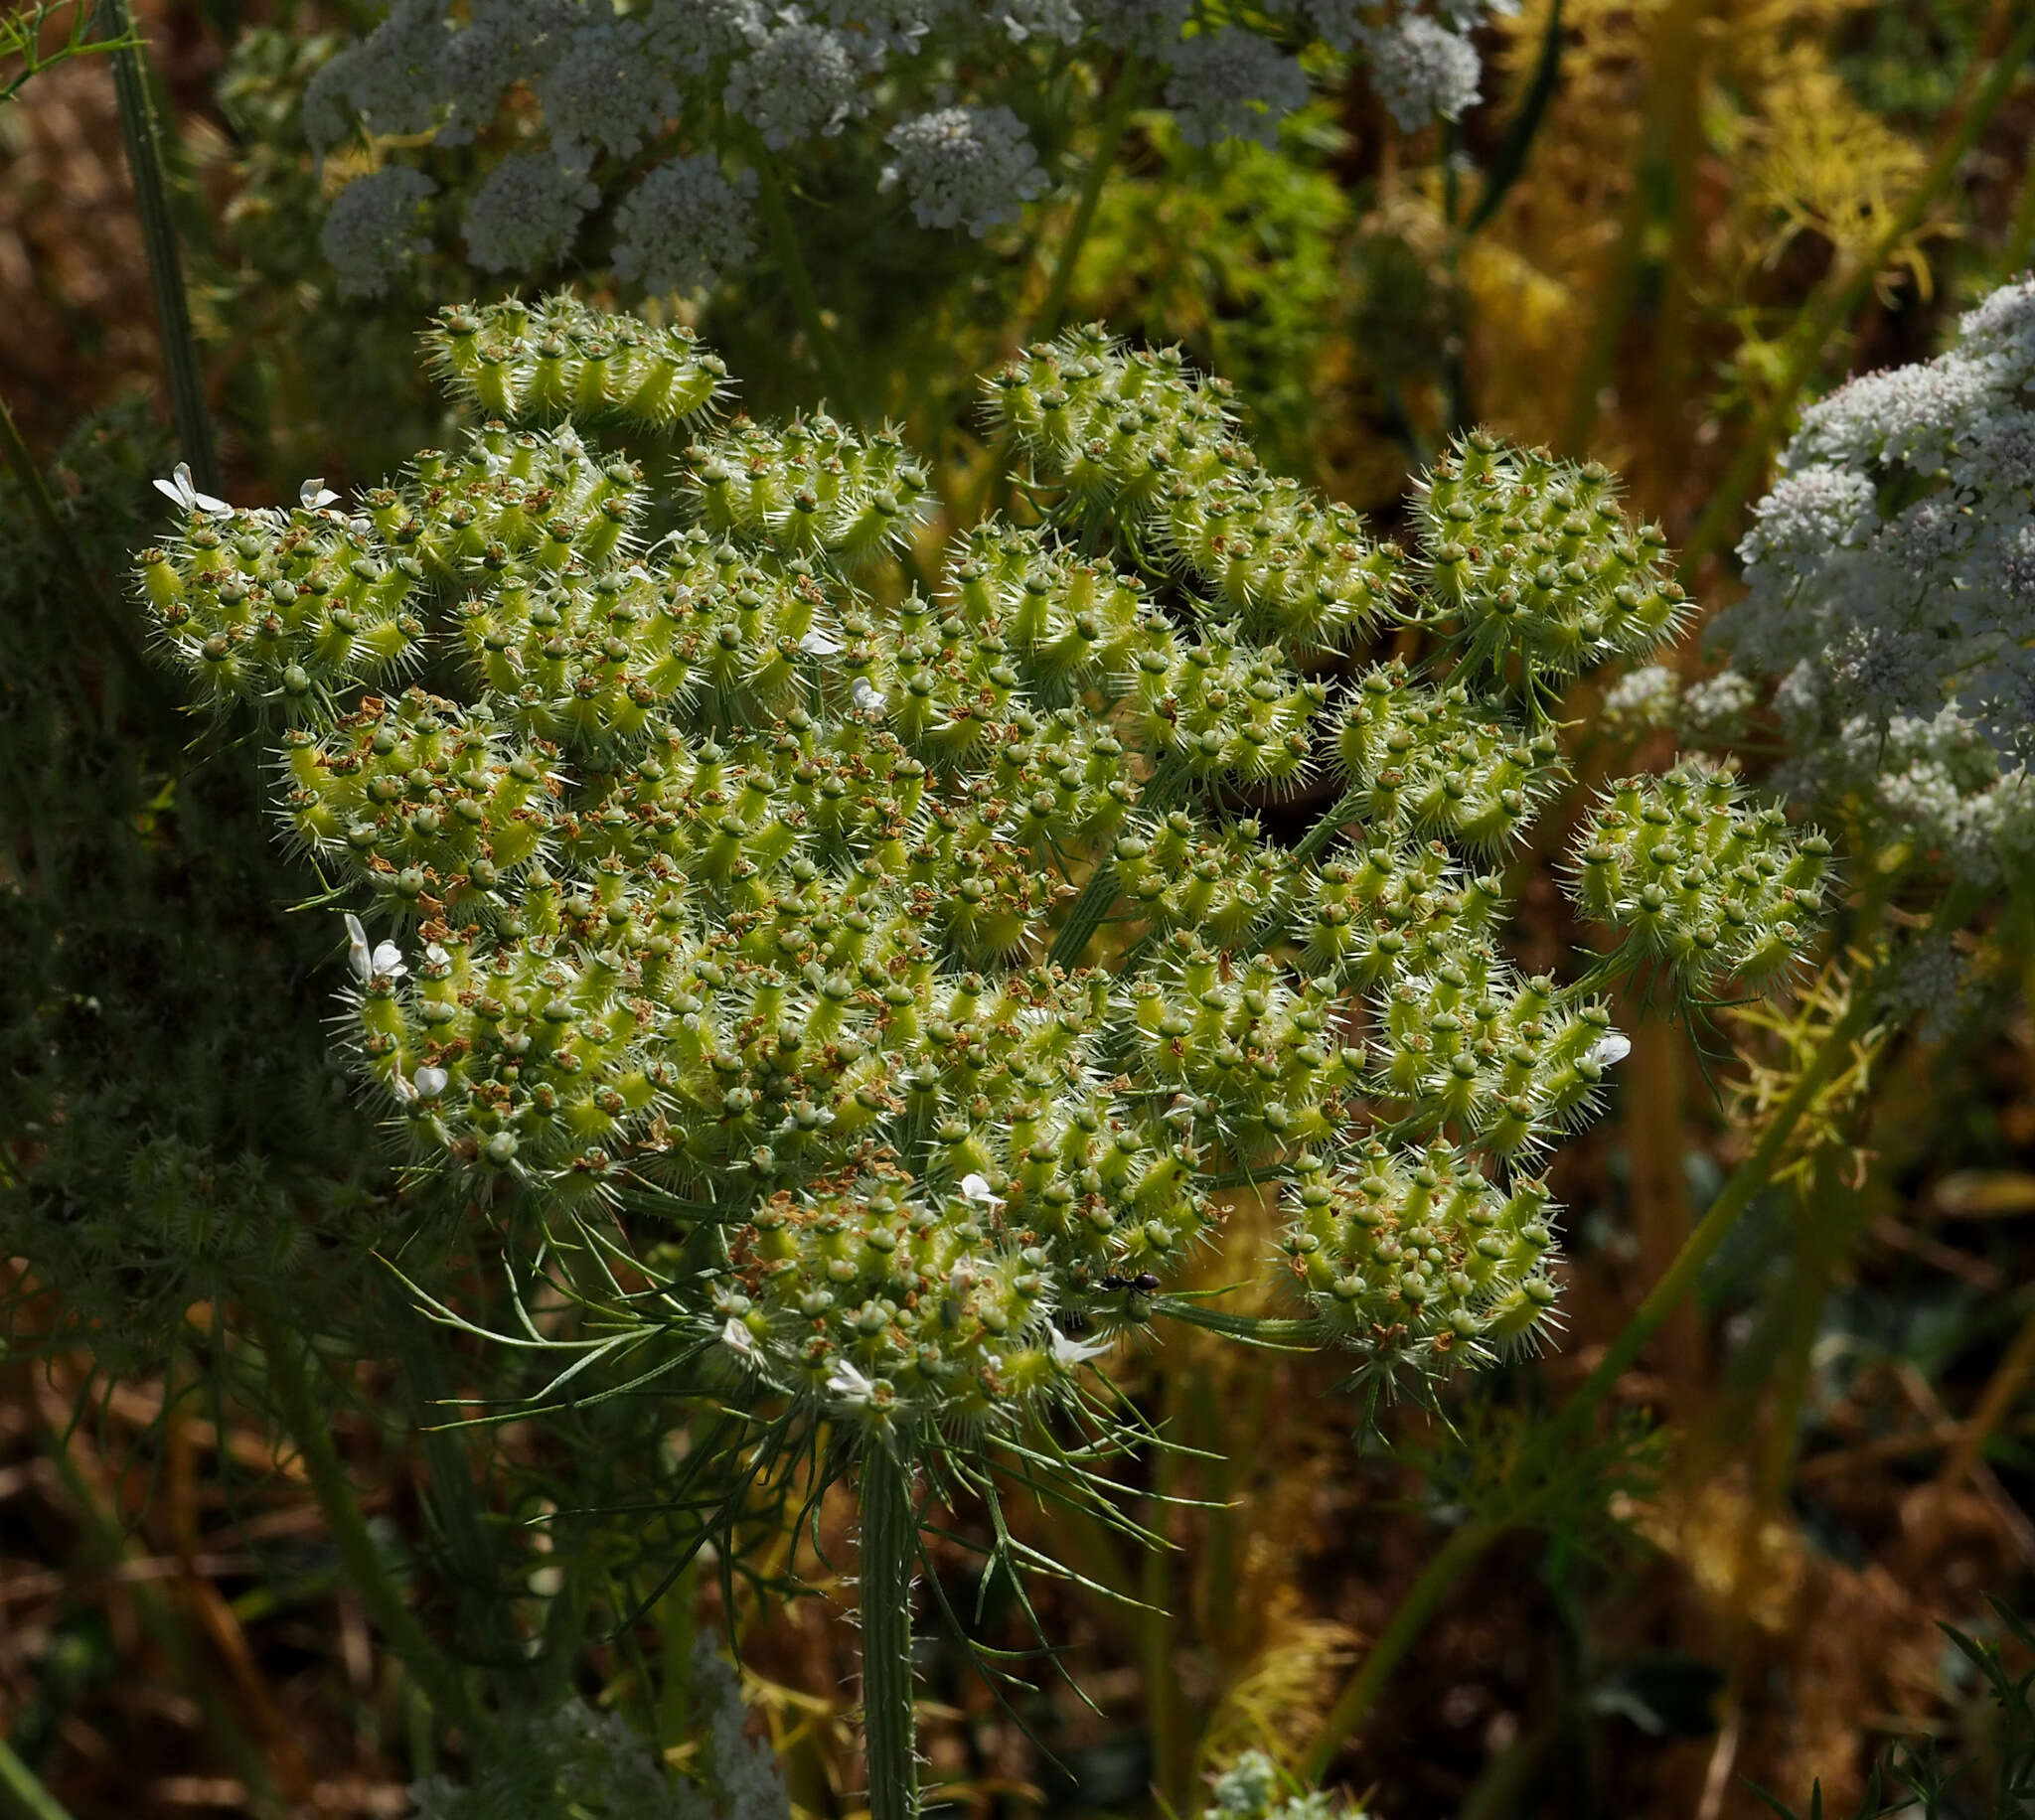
[403, 1090]
[846, 1381]
[1070, 1353]
[819, 644]
[184, 491]
[431, 1082]
[975, 1188]
[314, 494]
[438, 956]
[1611, 1046]
[386, 959]
[737, 1338]
[867, 697]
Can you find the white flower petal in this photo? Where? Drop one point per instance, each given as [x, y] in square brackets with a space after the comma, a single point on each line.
[438, 956]
[314, 494]
[819, 644]
[737, 1338]
[1611, 1046]
[388, 960]
[359, 954]
[866, 696]
[184, 490]
[431, 1082]
[404, 1090]
[1070, 1353]
[846, 1381]
[975, 1188]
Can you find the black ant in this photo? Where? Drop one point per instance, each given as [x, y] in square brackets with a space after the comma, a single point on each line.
[1143, 1284]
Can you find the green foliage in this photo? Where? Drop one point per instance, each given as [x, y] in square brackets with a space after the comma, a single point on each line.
[1924, 1783]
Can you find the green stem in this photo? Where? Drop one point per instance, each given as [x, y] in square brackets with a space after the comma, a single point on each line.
[1468, 1543]
[431, 1673]
[147, 690]
[1839, 297]
[25, 1792]
[889, 1551]
[1328, 826]
[1115, 123]
[1455, 1559]
[784, 241]
[1084, 918]
[143, 141]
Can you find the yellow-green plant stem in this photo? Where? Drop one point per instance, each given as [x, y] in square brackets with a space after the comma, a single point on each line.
[1467, 1546]
[1841, 294]
[25, 1792]
[889, 1552]
[436, 1678]
[143, 143]
[1109, 136]
[805, 301]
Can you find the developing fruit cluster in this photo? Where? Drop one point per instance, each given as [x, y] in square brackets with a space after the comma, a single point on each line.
[912, 946]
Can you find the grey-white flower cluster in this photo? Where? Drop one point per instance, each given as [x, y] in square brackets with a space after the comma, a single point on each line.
[374, 227]
[685, 225]
[965, 167]
[708, 79]
[580, 1760]
[1892, 595]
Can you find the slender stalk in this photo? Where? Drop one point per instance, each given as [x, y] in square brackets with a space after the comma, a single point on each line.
[889, 1551]
[25, 1792]
[436, 1678]
[1109, 136]
[143, 141]
[1451, 1562]
[1468, 1543]
[784, 243]
[1841, 294]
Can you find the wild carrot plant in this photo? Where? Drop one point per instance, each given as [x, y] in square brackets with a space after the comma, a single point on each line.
[849, 999]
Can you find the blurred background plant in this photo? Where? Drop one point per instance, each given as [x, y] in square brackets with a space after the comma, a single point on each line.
[1721, 210]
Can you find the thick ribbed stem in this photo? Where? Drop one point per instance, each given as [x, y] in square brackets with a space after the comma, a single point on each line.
[1085, 917]
[889, 1552]
[143, 143]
